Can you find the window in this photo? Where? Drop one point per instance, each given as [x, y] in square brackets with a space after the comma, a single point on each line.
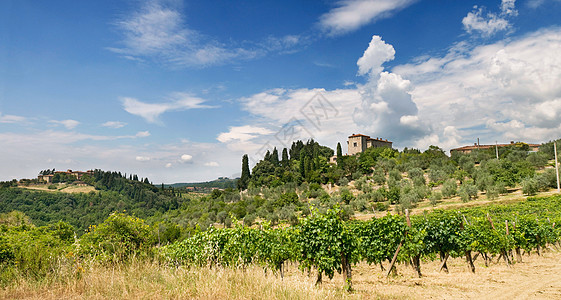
[354, 144]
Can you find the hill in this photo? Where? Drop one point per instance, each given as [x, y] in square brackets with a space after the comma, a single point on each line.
[220, 183]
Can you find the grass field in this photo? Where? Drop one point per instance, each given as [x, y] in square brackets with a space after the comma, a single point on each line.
[537, 277]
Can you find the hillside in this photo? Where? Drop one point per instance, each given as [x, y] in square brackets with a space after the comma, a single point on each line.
[220, 183]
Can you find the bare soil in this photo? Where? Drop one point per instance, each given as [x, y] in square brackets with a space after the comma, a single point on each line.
[536, 277]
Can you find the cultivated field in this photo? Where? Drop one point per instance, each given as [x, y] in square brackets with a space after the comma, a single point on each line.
[537, 277]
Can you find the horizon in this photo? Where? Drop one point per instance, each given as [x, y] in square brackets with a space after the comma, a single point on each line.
[177, 90]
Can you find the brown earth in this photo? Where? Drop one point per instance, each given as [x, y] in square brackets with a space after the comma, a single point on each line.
[537, 277]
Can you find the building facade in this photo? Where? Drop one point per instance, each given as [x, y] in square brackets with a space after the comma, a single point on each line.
[469, 149]
[358, 143]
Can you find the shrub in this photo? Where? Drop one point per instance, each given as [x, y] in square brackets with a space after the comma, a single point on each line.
[435, 197]
[379, 177]
[118, 238]
[530, 186]
[449, 189]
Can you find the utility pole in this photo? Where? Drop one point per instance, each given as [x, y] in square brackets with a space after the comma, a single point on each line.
[497, 149]
[556, 164]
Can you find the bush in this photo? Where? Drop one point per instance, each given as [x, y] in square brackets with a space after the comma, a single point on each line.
[118, 238]
[381, 206]
[467, 191]
[530, 186]
[449, 188]
[379, 176]
[435, 197]
[52, 187]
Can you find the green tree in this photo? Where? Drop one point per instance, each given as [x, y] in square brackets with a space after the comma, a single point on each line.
[244, 179]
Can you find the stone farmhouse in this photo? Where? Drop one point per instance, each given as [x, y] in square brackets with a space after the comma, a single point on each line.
[469, 149]
[358, 143]
[77, 174]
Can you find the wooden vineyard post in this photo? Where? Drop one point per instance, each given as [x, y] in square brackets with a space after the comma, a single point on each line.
[518, 255]
[392, 263]
[416, 260]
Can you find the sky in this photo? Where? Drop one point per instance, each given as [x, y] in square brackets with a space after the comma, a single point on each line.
[178, 91]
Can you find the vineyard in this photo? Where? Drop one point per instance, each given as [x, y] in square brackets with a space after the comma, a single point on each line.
[320, 245]
[325, 244]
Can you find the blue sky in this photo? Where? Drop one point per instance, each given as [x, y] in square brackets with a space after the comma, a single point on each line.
[177, 91]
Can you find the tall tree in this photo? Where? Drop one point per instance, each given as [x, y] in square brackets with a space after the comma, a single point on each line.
[275, 157]
[284, 157]
[339, 151]
[244, 179]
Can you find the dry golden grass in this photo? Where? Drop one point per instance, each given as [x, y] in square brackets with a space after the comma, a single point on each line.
[537, 277]
[61, 188]
[143, 280]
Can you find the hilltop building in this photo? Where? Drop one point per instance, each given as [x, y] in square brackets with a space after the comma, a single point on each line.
[469, 149]
[78, 174]
[358, 143]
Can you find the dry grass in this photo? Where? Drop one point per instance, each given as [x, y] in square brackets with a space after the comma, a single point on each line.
[60, 188]
[142, 280]
[537, 277]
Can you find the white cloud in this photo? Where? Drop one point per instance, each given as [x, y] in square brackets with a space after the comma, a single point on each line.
[377, 53]
[114, 124]
[142, 134]
[489, 24]
[142, 158]
[386, 104]
[25, 153]
[508, 8]
[350, 15]
[169, 165]
[211, 164]
[158, 31]
[11, 119]
[69, 124]
[505, 90]
[186, 158]
[242, 133]
[536, 3]
[151, 111]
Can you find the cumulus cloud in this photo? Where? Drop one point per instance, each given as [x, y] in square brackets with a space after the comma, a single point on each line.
[504, 90]
[350, 15]
[69, 124]
[380, 107]
[114, 124]
[386, 104]
[211, 164]
[488, 24]
[151, 111]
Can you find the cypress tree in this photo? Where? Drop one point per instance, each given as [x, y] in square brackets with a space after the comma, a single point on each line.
[284, 157]
[339, 151]
[275, 157]
[243, 182]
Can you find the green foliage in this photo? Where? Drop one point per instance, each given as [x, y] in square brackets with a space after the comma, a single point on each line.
[449, 189]
[323, 240]
[530, 186]
[118, 238]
